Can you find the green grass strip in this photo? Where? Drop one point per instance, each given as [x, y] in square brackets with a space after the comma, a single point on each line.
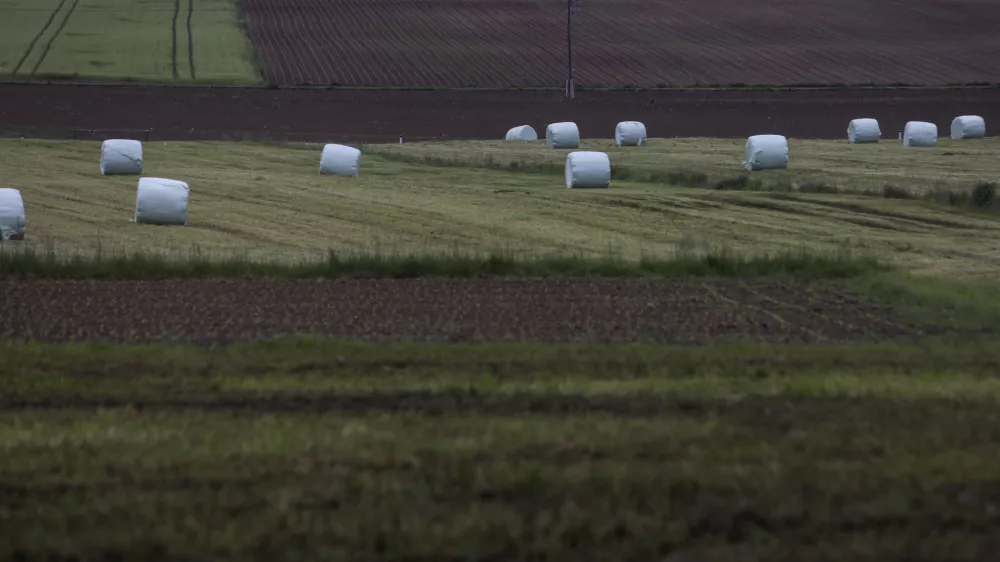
[19, 261]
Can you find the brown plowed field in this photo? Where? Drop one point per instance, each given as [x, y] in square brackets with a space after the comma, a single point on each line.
[509, 43]
[482, 310]
[373, 116]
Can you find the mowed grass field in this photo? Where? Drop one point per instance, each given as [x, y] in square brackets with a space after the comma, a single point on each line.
[305, 450]
[704, 162]
[268, 202]
[160, 40]
[318, 449]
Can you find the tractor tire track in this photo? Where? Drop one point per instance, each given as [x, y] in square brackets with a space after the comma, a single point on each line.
[52, 39]
[190, 39]
[38, 36]
[173, 39]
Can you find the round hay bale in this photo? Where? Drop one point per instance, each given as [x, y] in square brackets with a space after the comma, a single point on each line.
[339, 160]
[864, 130]
[920, 134]
[562, 135]
[587, 169]
[630, 133]
[766, 152]
[161, 201]
[968, 127]
[522, 133]
[12, 222]
[121, 157]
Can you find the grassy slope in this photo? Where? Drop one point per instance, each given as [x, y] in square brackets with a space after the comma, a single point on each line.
[572, 452]
[125, 39]
[263, 201]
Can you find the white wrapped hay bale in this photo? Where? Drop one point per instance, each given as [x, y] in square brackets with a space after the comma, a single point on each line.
[968, 127]
[12, 223]
[863, 130]
[630, 133]
[121, 156]
[562, 135]
[161, 201]
[339, 160]
[920, 133]
[522, 133]
[587, 169]
[766, 152]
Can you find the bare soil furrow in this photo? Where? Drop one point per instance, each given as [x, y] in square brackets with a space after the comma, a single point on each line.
[197, 113]
[444, 310]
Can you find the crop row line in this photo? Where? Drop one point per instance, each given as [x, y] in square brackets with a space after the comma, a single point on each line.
[465, 43]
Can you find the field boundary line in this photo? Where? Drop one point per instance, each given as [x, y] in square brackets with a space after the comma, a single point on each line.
[95, 81]
[52, 39]
[173, 39]
[190, 38]
[31, 47]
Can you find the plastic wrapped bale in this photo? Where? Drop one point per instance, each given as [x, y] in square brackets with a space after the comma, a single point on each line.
[120, 156]
[522, 133]
[863, 131]
[339, 160]
[562, 135]
[161, 201]
[766, 152]
[12, 223]
[968, 127]
[587, 169]
[920, 134]
[630, 133]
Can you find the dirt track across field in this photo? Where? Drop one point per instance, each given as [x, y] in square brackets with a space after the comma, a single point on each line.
[443, 310]
[357, 116]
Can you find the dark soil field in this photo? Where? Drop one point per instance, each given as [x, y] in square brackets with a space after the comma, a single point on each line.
[380, 116]
[519, 43]
[442, 310]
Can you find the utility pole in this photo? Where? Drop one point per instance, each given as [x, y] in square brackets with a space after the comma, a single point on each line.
[572, 7]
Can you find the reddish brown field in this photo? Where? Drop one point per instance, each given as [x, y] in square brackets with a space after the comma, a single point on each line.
[511, 43]
[378, 116]
[443, 310]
